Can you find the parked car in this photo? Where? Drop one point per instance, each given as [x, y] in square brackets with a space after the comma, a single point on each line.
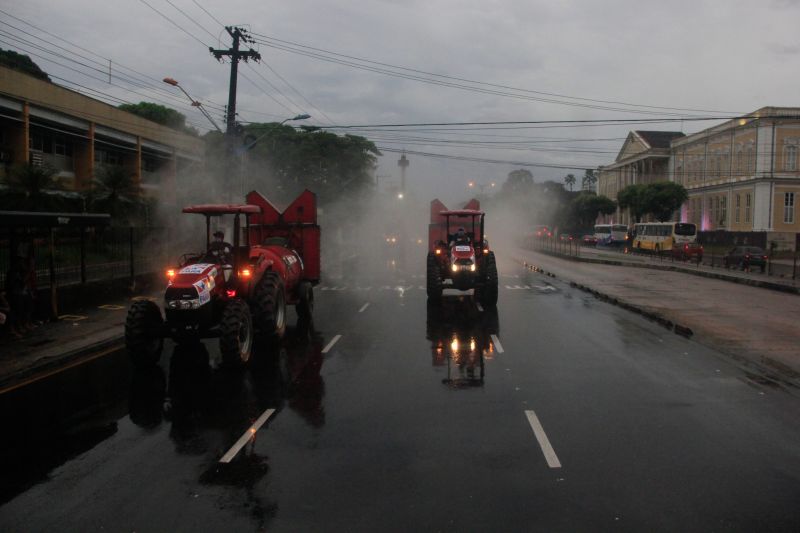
[542, 231]
[565, 237]
[589, 240]
[746, 257]
[689, 251]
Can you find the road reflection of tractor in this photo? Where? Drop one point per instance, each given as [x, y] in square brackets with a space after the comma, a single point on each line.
[461, 339]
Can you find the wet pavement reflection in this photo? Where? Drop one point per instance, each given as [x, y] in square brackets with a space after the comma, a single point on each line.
[461, 339]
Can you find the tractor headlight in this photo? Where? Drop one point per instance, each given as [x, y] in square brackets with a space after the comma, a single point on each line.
[472, 267]
[183, 304]
[455, 268]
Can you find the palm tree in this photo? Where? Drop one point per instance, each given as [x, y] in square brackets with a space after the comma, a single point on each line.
[570, 180]
[33, 180]
[118, 187]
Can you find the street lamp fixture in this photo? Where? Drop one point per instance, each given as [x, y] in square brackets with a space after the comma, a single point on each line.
[195, 103]
[251, 144]
[399, 196]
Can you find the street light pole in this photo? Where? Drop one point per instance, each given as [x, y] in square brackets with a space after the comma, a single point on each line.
[195, 103]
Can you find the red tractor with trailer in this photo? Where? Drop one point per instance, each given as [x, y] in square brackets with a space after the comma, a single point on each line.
[274, 261]
[458, 253]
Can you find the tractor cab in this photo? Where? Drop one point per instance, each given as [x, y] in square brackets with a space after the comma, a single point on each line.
[465, 240]
[239, 253]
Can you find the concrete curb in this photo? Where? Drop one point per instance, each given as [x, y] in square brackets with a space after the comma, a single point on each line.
[50, 365]
[674, 268]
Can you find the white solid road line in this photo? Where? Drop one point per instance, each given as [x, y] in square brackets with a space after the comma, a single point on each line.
[363, 307]
[327, 348]
[249, 435]
[549, 453]
[497, 345]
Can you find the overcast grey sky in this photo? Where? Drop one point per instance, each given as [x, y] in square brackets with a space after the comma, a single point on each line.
[714, 56]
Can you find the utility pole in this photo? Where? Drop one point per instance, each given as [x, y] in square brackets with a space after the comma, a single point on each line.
[403, 164]
[239, 36]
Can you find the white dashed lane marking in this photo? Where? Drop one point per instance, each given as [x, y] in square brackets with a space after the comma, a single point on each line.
[544, 443]
[334, 340]
[363, 307]
[497, 345]
[249, 435]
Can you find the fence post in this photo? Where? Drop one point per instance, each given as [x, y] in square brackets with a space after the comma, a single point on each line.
[133, 273]
[53, 289]
[794, 265]
[83, 255]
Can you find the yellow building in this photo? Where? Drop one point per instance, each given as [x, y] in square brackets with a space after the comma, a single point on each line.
[743, 175]
[44, 123]
[643, 159]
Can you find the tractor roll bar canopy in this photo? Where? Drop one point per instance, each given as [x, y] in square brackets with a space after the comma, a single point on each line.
[223, 209]
[462, 213]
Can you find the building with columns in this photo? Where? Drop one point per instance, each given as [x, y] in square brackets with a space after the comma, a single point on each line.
[44, 123]
[643, 159]
[743, 175]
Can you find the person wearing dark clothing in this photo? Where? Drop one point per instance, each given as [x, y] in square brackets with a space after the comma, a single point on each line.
[220, 251]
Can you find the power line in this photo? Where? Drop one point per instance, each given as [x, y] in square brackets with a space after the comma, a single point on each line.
[364, 64]
[482, 160]
[209, 14]
[141, 76]
[257, 86]
[257, 73]
[298, 93]
[182, 12]
[174, 23]
[611, 121]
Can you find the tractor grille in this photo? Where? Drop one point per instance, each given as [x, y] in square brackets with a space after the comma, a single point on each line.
[180, 293]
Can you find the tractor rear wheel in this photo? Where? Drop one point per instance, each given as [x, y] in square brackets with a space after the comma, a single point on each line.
[434, 279]
[143, 334]
[305, 303]
[269, 306]
[488, 294]
[236, 334]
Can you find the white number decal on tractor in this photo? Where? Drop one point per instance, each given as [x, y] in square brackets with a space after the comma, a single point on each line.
[198, 268]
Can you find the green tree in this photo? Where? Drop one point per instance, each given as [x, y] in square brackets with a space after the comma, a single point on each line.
[585, 207]
[22, 63]
[33, 180]
[160, 114]
[635, 198]
[588, 180]
[518, 181]
[663, 198]
[569, 180]
[117, 190]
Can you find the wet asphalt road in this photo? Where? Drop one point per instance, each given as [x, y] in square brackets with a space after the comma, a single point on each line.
[415, 418]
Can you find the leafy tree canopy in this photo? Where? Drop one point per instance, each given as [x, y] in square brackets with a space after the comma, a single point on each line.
[585, 207]
[22, 63]
[160, 114]
[634, 197]
[664, 198]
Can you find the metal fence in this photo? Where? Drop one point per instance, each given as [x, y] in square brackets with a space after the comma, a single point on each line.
[78, 255]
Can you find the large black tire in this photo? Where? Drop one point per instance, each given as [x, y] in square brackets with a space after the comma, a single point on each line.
[488, 294]
[305, 301]
[236, 334]
[269, 307]
[434, 279]
[144, 336]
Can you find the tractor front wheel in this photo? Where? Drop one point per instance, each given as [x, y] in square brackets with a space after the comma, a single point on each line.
[269, 306]
[434, 278]
[236, 334]
[143, 334]
[488, 294]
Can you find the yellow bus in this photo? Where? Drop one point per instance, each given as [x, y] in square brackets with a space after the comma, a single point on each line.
[662, 236]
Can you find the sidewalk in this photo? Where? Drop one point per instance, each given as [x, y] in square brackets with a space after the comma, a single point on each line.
[81, 335]
[616, 258]
[747, 323]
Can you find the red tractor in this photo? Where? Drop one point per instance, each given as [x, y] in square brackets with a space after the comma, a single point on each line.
[235, 292]
[458, 253]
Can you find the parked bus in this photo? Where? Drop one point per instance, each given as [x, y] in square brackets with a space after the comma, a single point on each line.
[611, 234]
[662, 236]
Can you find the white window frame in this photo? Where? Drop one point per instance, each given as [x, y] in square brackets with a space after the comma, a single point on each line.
[788, 208]
[790, 157]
